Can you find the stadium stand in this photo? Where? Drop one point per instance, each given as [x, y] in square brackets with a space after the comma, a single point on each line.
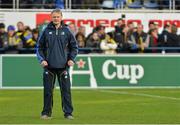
[90, 4]
[126, 37]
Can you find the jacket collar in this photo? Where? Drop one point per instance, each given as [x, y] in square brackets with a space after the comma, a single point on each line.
[52, 26]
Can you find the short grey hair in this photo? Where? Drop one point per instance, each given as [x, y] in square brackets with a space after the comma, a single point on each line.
[56, 11]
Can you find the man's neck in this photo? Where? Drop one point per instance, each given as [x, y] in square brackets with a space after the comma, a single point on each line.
[57, 26]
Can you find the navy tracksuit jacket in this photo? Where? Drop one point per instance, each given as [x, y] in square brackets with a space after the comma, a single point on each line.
[56, 46]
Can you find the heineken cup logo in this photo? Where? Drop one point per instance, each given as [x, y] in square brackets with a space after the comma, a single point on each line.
[127, 72]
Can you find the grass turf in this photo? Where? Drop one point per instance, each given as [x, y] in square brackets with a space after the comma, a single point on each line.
[117, 106]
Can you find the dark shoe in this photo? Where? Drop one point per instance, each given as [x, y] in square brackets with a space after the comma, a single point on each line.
[70, 117]
[45, 117]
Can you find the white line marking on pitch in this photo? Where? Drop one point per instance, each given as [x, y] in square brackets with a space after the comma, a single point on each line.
[140, 94]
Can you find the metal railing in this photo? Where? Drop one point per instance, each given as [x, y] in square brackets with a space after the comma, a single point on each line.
[16, 5]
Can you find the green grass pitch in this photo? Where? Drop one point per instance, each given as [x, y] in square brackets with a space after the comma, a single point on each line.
[97, 106]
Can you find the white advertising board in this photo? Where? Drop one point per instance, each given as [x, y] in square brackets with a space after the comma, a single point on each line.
[91, 19]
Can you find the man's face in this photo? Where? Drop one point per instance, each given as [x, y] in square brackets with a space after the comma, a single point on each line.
[95, 36]
[120, 22]
[2, 30]
[56, 18]
[20, 26]
[11, 32]
[151, 26]
[139, 28]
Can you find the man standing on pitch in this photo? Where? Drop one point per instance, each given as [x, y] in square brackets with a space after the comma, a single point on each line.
[56, 51]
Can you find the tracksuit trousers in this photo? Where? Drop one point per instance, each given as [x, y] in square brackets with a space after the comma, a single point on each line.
[49, 78]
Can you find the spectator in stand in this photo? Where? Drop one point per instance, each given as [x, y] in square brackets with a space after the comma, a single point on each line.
[24, 36]
[131, 28]
[81, 40]
[82, 29]
[12, 44]
[80, 36]
[93, 41]
[153, 38]
[122, 39]
[20, 27]
[108, 45]
[73, 28]
[27, 38]
[151, 25]
[117, 34]
[3, 36]
[174, 37]
[35, 34]
[19, 34]
[169, 37]
[101, 32]
[119, 25]
[165, 36]
[138, 40]
[156, 25]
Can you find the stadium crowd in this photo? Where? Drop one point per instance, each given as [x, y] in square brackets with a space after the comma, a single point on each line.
[128, 38]
[125, 38]
[91, 4]
[12, 40]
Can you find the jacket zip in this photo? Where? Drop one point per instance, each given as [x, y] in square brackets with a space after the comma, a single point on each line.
[56, 31]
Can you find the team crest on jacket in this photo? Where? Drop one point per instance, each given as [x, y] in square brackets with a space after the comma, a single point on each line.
[50, 32]
[62, 33]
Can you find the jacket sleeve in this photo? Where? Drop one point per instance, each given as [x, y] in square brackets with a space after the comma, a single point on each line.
[73, 47]
[40, 48]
